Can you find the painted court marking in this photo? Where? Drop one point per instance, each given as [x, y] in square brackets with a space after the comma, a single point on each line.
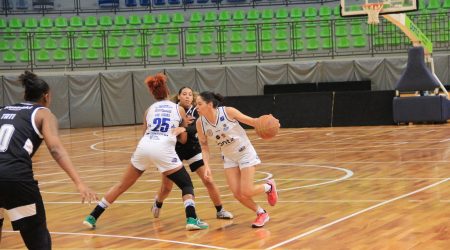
[130, 237]
[356, 213]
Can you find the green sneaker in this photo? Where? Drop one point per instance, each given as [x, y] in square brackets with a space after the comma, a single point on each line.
[90, 221]
[195, 224]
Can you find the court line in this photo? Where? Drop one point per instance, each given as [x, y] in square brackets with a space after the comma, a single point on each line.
[356, 213]
[130, 237]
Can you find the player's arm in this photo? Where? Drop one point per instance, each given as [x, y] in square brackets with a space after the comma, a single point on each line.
[144, 124]
[48, 125]
[181, 131]
[203, 141]
[238, 115]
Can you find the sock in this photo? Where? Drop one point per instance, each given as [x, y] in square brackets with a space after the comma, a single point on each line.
[260, 211]
[267, 188]
[100, 208]
[158, 204]
[189, 205]
[219, 208]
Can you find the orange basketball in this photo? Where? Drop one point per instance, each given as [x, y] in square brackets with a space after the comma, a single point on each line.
[267, 126]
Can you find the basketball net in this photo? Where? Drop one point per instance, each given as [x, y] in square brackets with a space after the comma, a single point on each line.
[373, 11]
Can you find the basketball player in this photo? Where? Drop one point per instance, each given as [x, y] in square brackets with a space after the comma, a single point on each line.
[157, 147]
[190, 151]
[23, 126]
[239, 156]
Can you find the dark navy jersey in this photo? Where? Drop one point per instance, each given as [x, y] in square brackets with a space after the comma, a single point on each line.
[19, 140]
[191, 147]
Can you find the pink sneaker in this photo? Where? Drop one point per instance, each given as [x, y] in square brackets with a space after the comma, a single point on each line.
[261, 219]
[272, 195]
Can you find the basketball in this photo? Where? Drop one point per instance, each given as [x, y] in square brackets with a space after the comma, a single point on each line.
[267, 126]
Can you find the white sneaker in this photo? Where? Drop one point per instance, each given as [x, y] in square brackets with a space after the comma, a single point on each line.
[224, 214]
[155, 210]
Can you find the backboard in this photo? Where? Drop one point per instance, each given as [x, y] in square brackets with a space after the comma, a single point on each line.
[354, 7]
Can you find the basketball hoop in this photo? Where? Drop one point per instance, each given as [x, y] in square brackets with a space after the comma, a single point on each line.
[373, 10]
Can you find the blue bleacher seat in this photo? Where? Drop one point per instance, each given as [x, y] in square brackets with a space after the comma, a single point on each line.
[159, 2]
[202, 1]
[144, 2]
[130, 3]
[188, 1]
[173, 1]
[108, 3]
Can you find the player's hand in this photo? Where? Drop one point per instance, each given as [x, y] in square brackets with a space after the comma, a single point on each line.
[178, 130]
[87, 194]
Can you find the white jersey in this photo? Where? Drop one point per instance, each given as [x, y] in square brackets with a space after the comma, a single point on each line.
[229, 135]
[157, 146]
[162, 118]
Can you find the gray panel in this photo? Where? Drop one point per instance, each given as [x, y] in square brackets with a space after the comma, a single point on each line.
[271, 75]
[85, 101]
[304, 72]
[441, 66]
[1, 91]
[241, 80]
[337, 71]
[212, 79]
[393, 69]
[13, 90]
[142, 96]
[177, 78]
[59, 88]
[117, 98]
[369, 69]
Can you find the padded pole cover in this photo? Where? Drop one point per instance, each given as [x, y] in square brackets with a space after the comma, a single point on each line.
[417, 77]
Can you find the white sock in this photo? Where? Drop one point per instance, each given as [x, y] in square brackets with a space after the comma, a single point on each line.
[104, 203]
[260, 210]
[189, 202]
[267, 187]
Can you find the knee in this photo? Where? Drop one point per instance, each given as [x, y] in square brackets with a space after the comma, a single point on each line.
[246, 193]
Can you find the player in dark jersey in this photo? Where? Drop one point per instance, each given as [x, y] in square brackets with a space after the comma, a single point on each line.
[190, 151]
[23, 126]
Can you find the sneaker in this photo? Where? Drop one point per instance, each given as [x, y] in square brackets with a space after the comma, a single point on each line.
[195, 224]
[90, 221]
[224, 214]
[272, 195]
[155, 210]
[261, 219]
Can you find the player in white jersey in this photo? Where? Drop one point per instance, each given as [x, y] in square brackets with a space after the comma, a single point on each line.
[239, 156]
[191, 152]
[157, 146]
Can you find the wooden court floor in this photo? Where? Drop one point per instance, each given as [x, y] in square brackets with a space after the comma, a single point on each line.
[385, 187]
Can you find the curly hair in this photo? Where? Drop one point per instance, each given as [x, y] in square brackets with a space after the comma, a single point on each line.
[35, 87]
[158, 86]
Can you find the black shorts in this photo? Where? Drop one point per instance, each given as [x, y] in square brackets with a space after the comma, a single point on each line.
[22, 202]
[188, 155]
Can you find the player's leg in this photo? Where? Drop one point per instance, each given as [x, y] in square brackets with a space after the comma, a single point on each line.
[233, 175]
[36, 237]
[182, 179]
[199, 168]
[164, 191]
[249, 189]
[128, 179]
[26, 211]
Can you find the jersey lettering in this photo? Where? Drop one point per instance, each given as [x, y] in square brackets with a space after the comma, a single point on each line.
[6, 132]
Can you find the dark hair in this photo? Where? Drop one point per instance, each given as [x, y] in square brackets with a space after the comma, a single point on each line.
[208, 97]
[184, 87]
[35, 88]
[158, 86]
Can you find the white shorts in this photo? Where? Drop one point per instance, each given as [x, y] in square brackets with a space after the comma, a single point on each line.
[160, 153]
[247, 158]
